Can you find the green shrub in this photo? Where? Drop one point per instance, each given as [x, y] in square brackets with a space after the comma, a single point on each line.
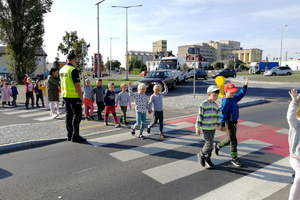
[137, 71]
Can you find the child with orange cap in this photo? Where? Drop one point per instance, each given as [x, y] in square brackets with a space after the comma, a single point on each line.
[229, 117]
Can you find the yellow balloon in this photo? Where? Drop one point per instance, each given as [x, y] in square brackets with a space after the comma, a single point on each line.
[220, 81]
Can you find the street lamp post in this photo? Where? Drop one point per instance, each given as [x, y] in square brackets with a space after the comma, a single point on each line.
[98, 59]
[110, 54]
[281, 44]
[126, 7]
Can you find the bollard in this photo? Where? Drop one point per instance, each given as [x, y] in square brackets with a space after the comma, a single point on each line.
[220, 81]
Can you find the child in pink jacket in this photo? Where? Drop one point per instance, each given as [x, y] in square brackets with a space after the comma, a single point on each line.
[6, 93]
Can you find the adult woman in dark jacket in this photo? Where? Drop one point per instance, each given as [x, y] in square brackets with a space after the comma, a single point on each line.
[52, 91]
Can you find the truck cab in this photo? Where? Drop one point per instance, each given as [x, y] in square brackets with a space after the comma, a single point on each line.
[177, 65]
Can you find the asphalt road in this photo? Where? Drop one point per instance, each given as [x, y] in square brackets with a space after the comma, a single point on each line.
[83, 171]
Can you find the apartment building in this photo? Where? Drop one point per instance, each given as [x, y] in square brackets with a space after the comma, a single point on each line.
[140, 55]
[206, 51]
[223, 50]
[160, 46]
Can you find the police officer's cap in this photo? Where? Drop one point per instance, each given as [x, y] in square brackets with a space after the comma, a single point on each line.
[71, 55]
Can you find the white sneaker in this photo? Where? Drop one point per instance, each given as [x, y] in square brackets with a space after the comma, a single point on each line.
[54, 116]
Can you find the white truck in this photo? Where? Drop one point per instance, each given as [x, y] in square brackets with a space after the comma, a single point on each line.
[260, 67]
[177, 65]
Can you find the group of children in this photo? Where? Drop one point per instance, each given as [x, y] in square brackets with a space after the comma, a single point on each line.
[105, 99]
[8, 92]
[225, 118]
[209, 117]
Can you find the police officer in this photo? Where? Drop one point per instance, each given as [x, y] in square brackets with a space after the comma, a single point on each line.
[72, 95]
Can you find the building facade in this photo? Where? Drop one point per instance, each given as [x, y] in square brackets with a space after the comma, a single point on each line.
[206, 51]
[196, 60]
[223, 50]
[247, 56]
[160, 46]
[40, 61]
[140, 55]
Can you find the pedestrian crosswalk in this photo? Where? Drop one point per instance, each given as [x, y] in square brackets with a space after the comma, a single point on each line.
[256, 184]
[255, 139]
[37, 114]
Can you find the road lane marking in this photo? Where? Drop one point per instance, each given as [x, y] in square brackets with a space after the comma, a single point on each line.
[12, 112]
[257, 185]
[34, 114]
[283, 130]
[139, 152]
[251, 124]
[48, 117]
[185, 167]
[127, 136]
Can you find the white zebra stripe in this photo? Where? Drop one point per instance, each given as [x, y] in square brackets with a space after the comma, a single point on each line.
[255, 186]
[181, 168]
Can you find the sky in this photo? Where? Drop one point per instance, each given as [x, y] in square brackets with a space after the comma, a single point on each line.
[254, 23]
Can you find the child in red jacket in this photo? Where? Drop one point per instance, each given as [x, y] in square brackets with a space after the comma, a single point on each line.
[29, 91]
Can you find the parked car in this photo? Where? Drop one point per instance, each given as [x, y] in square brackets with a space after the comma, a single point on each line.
[199, 73]
[156, 77]
[224, 72]
[95, 75]
[143, 73]
[238, 69]
[277, 71]
[39, 76]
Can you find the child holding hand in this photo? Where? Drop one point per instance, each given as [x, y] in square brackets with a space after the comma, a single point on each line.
[141, 107]
[157, 101]
[123, 99]
[229, 118]
[88, 100]
[207, 120]
[6, 93]
[14, 93]
[110, 104]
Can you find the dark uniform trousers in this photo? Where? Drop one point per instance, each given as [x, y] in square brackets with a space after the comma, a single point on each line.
[73, 107]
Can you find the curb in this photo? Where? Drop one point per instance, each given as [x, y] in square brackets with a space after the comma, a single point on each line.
[252, 103]
[261, 82]
[32, 143]
[15, 146]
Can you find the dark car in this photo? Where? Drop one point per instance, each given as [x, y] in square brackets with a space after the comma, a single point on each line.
[199, 73]
[225, 73]
[39, 76]
[156, 77]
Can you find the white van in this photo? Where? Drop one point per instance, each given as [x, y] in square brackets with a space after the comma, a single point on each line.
[177, 65]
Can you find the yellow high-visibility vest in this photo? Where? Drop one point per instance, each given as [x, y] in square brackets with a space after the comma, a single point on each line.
[68, 89]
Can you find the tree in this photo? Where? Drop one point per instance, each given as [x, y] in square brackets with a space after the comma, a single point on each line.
[72, 42]
[237, 64]
[22, 30]
[135, 63]
[219, 65]
[115, 64]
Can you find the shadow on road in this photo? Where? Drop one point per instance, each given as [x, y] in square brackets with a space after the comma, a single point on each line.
[4, 174]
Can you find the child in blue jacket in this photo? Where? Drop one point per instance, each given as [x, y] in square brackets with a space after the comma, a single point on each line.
[229, 117]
